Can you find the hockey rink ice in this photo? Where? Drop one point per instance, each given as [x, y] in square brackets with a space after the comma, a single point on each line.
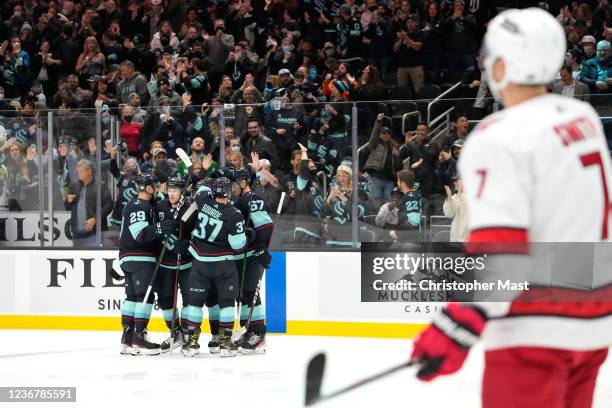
[90, 361]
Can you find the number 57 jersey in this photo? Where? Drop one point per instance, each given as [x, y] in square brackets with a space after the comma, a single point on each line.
[540, 172]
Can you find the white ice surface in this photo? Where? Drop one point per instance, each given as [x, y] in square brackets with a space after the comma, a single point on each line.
[90, 361]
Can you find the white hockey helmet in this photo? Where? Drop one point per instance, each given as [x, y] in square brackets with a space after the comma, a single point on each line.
[532, 44]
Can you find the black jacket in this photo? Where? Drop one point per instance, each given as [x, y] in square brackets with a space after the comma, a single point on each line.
[106, 208]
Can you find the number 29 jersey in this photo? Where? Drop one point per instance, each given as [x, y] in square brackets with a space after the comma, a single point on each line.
[540, 172]
[137, 239]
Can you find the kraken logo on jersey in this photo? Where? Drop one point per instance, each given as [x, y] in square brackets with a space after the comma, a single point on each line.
[128, 194]
[474, 5]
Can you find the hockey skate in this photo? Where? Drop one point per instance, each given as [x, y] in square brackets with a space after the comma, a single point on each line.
[226, 345]
[179, 340]
[191, 347]
[126, 341]
[141, 345]
[252, 343]
[213, 345]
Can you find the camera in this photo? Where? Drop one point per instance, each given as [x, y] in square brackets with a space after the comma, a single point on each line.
[164, 39]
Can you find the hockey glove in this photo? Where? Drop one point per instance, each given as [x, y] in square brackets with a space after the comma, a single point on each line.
[250, 235]
[263, 257]
[182, 246]
[167, 227]
[443, 347]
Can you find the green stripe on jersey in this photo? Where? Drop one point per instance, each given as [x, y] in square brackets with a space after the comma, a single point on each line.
[137, 227]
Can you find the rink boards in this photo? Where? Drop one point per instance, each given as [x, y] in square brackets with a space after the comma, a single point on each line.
[305, 293]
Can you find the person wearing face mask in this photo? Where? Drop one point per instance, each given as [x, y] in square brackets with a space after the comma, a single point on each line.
[131, 131]
[140, 115]
[286, 56]
[350, 37]
[217, 47]
[124, 180]
[285, 125]
[253, 141]
[164, 90]
[266, 185]
[239, 64]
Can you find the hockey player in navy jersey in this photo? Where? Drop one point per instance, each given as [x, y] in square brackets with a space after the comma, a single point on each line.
[218, 240]
[409, 211]
[138, 247]
[174, 207]
[257, 259]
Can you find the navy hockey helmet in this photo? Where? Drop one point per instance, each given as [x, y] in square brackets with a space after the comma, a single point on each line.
[177, 182]
[222, 187]
[143, 180]
[242, 174]
[209, 182]
[224, 172]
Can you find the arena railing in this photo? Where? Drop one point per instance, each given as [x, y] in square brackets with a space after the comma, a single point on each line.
[33, 194]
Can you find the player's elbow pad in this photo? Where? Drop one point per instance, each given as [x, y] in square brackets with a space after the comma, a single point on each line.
[237, 242]
[148, 234]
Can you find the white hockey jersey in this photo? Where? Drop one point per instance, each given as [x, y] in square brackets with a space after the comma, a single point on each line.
[541, 172]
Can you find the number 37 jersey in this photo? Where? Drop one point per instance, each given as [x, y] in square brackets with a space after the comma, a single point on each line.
[541, 172]
[219, 233]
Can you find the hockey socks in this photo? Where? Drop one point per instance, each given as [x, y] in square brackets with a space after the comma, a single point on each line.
[191, 318]
[168, 317]
[142, 314]
[226, 318]
[213, 319]
[258, 320]
[127, 314]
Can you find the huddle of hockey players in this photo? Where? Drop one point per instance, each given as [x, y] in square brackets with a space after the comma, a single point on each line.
[212, 244]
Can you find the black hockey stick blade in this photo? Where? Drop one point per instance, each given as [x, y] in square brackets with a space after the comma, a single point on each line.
[314, 377]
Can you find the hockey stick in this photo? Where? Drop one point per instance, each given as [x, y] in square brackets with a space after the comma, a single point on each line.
[159, 260]
[183, 156]
[183, 220]
[244, 329]
[161, 256]
[314, 378]
[244, 264]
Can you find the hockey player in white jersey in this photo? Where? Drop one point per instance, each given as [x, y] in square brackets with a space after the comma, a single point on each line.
[537, 171]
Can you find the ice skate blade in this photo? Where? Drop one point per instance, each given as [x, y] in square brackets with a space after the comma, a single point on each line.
[249, 352]
[139, 351]
[228, 353]
[190, 352]
[165, 348]
[214, 350]
[125, 350]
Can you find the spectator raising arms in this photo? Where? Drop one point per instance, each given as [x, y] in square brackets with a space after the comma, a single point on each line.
[380, 164]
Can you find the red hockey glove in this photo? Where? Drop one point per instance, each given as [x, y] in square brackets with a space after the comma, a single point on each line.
[443, 347]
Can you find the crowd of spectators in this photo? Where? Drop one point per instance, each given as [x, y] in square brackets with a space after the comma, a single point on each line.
[267, 84]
